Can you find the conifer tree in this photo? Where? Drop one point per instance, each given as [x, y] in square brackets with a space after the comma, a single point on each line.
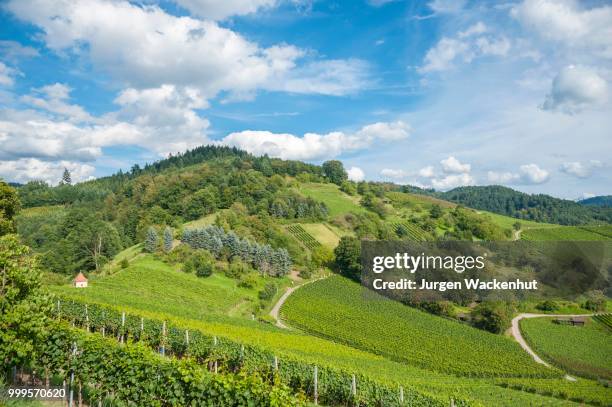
[66, 178]
[168, 239]
[150, 243]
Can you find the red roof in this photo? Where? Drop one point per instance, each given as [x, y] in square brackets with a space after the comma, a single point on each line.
[80, 278]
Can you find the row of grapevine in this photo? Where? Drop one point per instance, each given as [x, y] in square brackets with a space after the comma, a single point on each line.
[335, 386]
[346, 312]
[409, 230]
[303, 236]
[604, 319]
[133, 375]
[581, 391]
[604, 230]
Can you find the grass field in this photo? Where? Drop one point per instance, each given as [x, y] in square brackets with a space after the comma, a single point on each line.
[341, 309]
[562, 233]
[581, 350]
[203, 221]
[150, 284]
[337, 201]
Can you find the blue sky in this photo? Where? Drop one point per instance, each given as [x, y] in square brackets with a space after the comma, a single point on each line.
[438, 94]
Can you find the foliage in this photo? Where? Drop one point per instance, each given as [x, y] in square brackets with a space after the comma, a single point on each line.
[24, 303]
[547, 305]
[66, 178]
[168, 239]
[268, 292]
[334, 171]
[565, 233]
[348, 257]
[151, 241]
[348, 313]
[132, 374]
[493, 317]
[200, 262]
[583, 350]
[538, 207]
[334, 383]
[274, 262]
[9, 206]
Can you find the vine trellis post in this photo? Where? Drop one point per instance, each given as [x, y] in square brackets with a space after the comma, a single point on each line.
[401, 391]
[122, 325]
[354, 386]
[163, 339]
[316, 385]
[71, 395]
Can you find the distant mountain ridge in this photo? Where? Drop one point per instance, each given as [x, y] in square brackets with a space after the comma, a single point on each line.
[603, 201]
[537, 207]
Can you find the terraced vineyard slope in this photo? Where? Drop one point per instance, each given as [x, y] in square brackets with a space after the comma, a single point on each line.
[341, 309]
[582, 350]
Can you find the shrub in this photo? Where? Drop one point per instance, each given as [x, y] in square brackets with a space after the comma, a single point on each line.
[200, 262]
[268, 291]
[248, 281]
[492, 317]
[547, 305]
[124, 263]
[237, 268]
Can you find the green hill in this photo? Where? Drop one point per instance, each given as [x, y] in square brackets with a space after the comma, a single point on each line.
[537, 207]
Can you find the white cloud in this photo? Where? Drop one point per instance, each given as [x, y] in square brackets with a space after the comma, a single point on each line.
[145, 47]
[355, 174]
[446, 6]
[452, 181]
[218, 10]
[527, 174]
[315, 146]
[576, 88]
[580, 170]
[28, 169]
[568, 23]
[53, 98]
[533, 174]
[502, 178]
[161, 120]
[6, 75]
[467, 45]
[427, 172]
[476, 29]
[393, 173]
[452, 165]
[12, 50]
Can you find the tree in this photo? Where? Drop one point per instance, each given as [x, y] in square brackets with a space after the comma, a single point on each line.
[9, 206]
[201, 262]
[66, 178]
[150, 243]
[168, 239]
[436, 211]
[517, 226]
[24, 304]
[334, 171]
[492, 317]
[348, 257]
[92, 242]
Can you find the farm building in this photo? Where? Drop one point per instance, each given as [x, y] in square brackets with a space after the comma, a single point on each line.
[80, 281]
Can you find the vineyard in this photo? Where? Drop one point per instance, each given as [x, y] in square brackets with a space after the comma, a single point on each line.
[304, 237]
[105, 371]
[224, 355]
[342, 310]
[585, 351]
[409, 230]
[565, 233]
[601, 230]
[604, 319]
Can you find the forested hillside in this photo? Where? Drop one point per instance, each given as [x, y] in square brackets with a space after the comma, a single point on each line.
[601, 201]
[537, 207]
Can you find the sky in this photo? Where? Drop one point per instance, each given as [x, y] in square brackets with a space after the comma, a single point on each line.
[438, 94]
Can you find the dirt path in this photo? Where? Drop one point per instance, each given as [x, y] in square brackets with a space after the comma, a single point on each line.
[515, 330]
[275, 311]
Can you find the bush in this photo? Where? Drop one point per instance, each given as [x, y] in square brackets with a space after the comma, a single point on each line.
[237, 268]
[248, 281]
[492, 317]
[124, 263]
[200, 262]
[268, 291]
[547, 305]
[180, 254]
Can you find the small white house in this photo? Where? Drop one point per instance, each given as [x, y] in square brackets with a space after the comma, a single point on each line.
[80, 281]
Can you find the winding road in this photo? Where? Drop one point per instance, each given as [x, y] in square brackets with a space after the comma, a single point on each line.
[516, 334]
[275, 311]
